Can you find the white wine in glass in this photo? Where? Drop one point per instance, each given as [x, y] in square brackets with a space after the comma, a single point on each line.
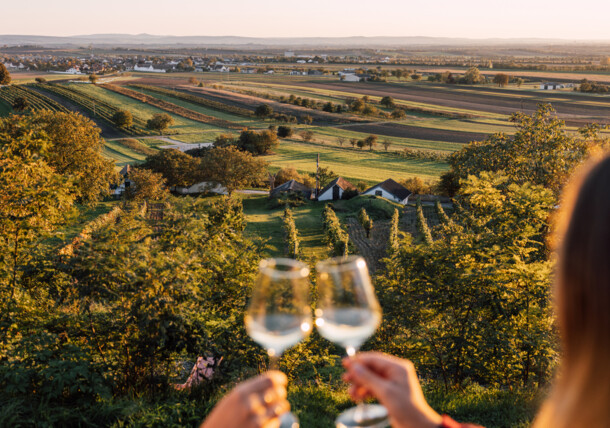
[279, 313]
[348, 313]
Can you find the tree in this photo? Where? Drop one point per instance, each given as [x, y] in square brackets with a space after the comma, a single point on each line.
[76, 151]
[122, 119]
[224, 140]
[284, 131]
[160, 122]
[263, 111]
[501, 79]
[176, 167]
[147, 186]
[93, 78]
[20, 104]
[232, 168]
[5, 76]
[473, 76]
[341, 141]
[387, 101]
[416, 77]
[541, 151]
[34, 199]
[371, 141]
[258, 143]
[286, 174]
[193, 81]
[398, 113]
[386, 144]
[361, 144]
[353, 142]
[325, 175]
[40, 80]
[307, 119]
[306, 135]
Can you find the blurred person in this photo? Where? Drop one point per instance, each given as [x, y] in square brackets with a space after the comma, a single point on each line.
[581, 395]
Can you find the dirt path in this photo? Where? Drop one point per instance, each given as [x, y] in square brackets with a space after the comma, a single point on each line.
[373, 249]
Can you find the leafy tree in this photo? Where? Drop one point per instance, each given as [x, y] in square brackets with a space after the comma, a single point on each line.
[75, 150]
[193, 80]
[541, 151]
[306, 135]
[40, 80]
[415, 77]
[501, 79]
[5, 76]
[353, 142]
[122, 119]
[284, 131]
[263, 111]
[386, 144]
[224, 140]
[387, 101]
[361, 144]
[417, 185]
[34, 199]
[398, 113]
[326, 175]
[258, 143]
[176, 167]
[474, 304]
[232, 168]
[341, 141]
[147, 186]
[93, 78]
[20, 104]
[371, 141]
[307, 119]
[473, 76]
[160, 122]
[286, 174]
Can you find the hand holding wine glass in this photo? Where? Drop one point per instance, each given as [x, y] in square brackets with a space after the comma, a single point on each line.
[279, 314]
[348, 313]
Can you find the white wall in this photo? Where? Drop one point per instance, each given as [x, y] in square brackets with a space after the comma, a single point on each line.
[328, 195]
[387, 195]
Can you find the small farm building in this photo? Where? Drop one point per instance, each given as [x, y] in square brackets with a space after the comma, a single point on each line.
[350, 78]
[551, 86]
[293, 186]
[391, 190]
[203, 187]
[335, 189]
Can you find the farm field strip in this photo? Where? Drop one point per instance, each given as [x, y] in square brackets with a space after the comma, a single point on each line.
[364, 165]
[94, 106]
[190, 97]
[143, 112]
[35, 100]
[172, 108]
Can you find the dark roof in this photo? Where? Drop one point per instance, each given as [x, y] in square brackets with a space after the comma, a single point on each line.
[392, 187]
[341, 182]
[126, 170]
[291, 186]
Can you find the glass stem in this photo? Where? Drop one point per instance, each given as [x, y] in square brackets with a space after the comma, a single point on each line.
[274, 362]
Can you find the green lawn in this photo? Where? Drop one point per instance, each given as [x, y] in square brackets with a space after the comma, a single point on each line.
[353, 164]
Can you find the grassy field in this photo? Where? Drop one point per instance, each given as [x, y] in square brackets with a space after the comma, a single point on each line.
[353, 164]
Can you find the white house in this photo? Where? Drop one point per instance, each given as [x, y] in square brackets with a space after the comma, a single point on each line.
[149, 69]
[350, 78]
[550, 86]
[288, 54]
[335, 189]
[391, 190]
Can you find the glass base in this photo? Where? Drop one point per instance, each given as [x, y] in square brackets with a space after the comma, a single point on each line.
[289, 420]
[364, 416]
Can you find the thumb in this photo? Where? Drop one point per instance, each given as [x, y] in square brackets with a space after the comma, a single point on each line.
[377, 385]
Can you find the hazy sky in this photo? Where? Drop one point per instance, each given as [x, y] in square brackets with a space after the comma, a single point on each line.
[584, 19]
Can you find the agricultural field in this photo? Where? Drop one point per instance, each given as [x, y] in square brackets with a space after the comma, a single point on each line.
[439, 120]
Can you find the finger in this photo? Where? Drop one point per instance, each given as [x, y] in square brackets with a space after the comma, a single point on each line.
[263, 382]
[375, 384]
[273, 395]
[271, 418]
[384, 365]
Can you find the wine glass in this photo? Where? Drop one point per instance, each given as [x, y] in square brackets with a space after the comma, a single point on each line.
[279, 314]
[348, 313]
